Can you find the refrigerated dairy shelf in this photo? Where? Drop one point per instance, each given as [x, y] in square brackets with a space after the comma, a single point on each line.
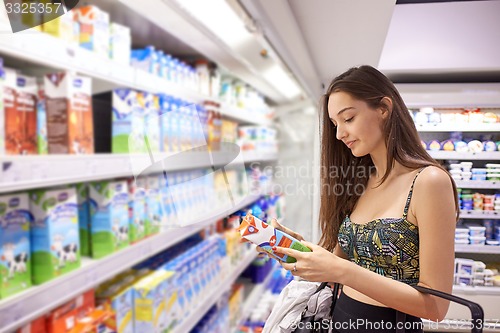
[479, 184]
[471, 214]
[27, 172]
[210, 299]
[486, 249]
[253, 299]
[453, 155]
[45, 50]
[22, 308]
[465, 127]
[476, 290]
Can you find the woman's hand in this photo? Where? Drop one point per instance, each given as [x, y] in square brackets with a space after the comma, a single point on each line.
[276, 225]
[319, 265]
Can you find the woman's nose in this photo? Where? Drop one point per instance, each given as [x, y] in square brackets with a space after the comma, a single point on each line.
[340, 133]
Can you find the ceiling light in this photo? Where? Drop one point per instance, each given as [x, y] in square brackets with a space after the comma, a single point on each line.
[282, 81]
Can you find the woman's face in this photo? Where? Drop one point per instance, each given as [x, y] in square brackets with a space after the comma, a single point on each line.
[358, 125]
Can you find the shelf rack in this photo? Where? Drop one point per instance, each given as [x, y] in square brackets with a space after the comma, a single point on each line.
[20, 309]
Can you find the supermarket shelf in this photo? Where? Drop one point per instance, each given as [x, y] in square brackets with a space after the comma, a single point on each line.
[27, 172]
[45, 50]
[471, 214]
[476, 290]
[486, 249]
[253, 298]
[481, 127]
[453, 325]
[453, 155]
[483, 184]
[20, 309]
[198, 312]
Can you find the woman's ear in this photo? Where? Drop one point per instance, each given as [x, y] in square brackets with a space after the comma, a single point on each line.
[386, 107]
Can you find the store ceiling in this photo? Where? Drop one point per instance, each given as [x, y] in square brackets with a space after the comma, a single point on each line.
[442, 41]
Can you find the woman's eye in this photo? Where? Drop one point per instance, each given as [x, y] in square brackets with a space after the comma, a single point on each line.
[349, 120]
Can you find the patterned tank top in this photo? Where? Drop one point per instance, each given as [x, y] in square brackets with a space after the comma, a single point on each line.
[387, 246]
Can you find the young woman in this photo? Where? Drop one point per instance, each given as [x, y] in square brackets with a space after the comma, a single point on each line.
[398, 230]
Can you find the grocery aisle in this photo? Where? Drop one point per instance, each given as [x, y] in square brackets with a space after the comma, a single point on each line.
[127, 165]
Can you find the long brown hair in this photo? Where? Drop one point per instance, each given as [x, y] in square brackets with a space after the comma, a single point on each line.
[340, 169]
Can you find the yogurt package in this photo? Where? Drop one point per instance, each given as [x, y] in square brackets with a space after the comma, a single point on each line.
[265, 236]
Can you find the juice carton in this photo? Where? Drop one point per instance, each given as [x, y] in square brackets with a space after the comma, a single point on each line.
[55, 239]
[120, 44]
[36, 326]
[82, 197]
[151, 106]
[94, 29]
[137, 208]
[109, 217]
[41, 122]
[149, 302]
[153, 205]
[2, 111]
[128, 123]
[96, 321]
[15, 263]
[70, 127]
[265, 236]
[64, 318]
[63, 27]
[119, 298]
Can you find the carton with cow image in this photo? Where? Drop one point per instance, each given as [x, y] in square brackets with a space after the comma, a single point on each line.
[137, 208]
[15, 267]
[153, 205]
[109, 217]
[55, 239]
[264, 235]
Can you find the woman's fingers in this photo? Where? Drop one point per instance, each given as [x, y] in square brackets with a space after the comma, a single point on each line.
[277, 225]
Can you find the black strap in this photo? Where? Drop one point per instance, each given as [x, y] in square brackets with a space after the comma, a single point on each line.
[335, 295]
[475, 309]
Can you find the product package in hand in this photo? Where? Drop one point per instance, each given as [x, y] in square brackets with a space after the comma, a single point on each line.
[264, 235]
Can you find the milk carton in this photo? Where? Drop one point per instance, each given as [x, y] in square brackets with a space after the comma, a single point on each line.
[94, 29]
[153, 205]
[128, 123]
[70, 127]
[144, 59]
[120, 44]
[54, 233]
[137, 208]
[15, 263]
[41, 122]
[149, 303]
[164, 112]
[20, 95]
[109, 217]
[150, 104]
[26, 103]
[82, 196]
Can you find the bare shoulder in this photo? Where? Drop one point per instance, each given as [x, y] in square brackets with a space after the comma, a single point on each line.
[433, 178]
